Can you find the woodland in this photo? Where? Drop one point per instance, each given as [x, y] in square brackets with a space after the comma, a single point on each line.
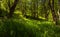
[29, 18]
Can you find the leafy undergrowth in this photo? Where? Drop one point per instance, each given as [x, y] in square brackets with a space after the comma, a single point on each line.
[28, 28]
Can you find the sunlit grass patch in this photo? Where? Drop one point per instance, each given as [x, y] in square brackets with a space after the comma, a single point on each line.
[41, 17]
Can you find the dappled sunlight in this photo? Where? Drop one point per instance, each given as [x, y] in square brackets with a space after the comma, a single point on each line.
[41, 17]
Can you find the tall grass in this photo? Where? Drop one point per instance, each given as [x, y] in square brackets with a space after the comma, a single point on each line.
[23, 28]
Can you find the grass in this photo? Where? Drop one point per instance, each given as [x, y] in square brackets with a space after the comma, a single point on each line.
[28, 28]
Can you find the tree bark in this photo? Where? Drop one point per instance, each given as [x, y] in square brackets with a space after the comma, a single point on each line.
[11, 9]
[55, 18]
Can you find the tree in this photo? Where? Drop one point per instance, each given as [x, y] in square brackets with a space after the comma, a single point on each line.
[45, 8]
[35, 8]
[12, 8]
[51, 5]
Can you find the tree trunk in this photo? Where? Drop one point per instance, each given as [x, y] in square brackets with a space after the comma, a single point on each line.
[35, 8]
[11, 9]
[55, 18]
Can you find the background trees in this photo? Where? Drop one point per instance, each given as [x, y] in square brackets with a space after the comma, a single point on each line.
[29, 18]
[38, 9]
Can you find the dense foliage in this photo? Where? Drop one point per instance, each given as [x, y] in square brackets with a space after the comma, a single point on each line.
[29, 18]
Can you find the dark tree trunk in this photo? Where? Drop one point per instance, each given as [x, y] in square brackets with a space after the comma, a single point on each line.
[11, 9]
[51, 4]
